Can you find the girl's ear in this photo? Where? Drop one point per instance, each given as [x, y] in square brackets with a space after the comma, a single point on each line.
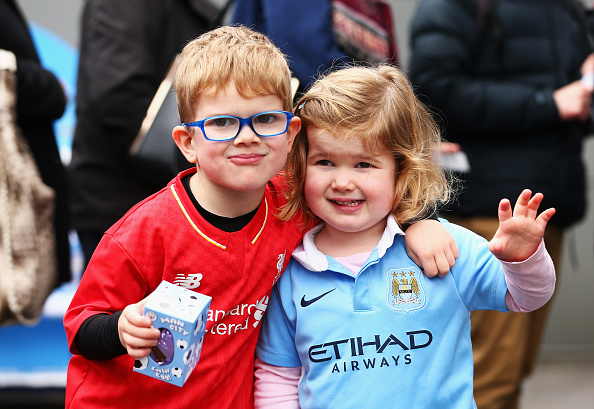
[183, 140]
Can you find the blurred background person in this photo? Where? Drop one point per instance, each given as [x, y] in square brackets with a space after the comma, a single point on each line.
[504, 77]
[320, 35]
[126, 48]
[40, 101]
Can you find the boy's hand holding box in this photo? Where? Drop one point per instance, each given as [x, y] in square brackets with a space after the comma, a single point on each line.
[180, 315]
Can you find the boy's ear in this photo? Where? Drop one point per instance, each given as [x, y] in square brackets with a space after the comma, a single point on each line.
[294, 128]
[183, 140]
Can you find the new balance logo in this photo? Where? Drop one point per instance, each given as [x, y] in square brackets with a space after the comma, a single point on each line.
[307, 303]
[190, 282]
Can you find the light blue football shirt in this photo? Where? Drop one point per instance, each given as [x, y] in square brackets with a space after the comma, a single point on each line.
[387, 337]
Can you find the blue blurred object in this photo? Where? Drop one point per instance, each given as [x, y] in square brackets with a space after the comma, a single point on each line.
[61, 58]
[37, 356]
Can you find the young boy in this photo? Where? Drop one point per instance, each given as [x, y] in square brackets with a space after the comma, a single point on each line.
[212, 229]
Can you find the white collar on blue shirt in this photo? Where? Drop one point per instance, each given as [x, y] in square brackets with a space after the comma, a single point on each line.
[313, 259]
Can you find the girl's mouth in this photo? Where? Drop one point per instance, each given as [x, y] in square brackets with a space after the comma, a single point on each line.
[348, 203]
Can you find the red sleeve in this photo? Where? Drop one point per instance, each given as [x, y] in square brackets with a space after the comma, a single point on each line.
[110, 283]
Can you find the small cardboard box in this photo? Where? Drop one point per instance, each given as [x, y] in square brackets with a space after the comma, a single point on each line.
[180, 315]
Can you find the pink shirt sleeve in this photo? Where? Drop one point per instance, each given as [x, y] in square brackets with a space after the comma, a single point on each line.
[530, 283]
[276, 386]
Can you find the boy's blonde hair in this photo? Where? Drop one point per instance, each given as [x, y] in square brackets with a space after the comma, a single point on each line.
[230, 53]
[376, 104]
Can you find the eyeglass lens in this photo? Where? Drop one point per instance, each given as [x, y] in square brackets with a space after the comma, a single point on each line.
[227, 127]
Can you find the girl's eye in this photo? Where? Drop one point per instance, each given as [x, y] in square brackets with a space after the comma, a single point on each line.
[364, 165]
[324, 162]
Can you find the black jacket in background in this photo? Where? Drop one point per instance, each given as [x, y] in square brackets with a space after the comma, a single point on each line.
[494, 95]
[125, 50]
[40, 101]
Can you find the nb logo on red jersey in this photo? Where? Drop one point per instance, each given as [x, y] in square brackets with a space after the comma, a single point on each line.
[191, 281]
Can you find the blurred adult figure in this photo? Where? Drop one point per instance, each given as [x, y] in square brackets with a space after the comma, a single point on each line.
[126, 49]
[307, 32]
[504, 76]
[40, 101]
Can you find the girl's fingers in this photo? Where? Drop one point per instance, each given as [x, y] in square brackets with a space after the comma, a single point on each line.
[532, 211]
[545, 216]
[504, 211]
[520, 209]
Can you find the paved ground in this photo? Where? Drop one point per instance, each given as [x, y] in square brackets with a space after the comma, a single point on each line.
[560, 384]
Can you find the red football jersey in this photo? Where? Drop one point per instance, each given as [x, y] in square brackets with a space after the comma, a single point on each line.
[165, 238]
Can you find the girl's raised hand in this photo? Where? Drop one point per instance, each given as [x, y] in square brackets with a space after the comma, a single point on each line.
[520, 231]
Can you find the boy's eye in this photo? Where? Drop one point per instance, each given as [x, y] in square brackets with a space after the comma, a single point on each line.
[364, 165]
[265, 119]
[220, 122]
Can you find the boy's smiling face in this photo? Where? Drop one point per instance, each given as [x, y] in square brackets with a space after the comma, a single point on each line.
[240, 167]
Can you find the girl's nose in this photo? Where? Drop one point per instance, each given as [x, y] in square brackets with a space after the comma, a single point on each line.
[342, 181]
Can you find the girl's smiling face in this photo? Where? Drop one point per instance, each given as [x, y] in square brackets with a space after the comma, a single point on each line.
[346, 185]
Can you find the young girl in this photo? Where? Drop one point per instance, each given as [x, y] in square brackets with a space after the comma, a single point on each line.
[353, 322]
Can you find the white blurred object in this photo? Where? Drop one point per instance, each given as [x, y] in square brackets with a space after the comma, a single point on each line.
[453, 158]
[588, 80]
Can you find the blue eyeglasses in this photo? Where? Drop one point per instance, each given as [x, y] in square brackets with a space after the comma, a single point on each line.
[226, 127]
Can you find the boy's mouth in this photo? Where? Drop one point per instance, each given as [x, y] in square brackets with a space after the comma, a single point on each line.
[251, 159]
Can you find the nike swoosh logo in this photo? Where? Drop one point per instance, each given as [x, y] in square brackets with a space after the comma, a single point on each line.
[307, 303]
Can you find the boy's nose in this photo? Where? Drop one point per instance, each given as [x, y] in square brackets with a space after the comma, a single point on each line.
[246, 135]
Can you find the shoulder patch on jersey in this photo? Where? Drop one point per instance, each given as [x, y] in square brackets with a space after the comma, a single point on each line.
[404, 288]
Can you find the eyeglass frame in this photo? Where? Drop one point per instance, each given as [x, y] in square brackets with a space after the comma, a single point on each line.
[242, 123]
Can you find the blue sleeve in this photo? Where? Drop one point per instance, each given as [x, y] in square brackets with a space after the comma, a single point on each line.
[247, 12]
[301, 29]
[276, 345]
[478, 274]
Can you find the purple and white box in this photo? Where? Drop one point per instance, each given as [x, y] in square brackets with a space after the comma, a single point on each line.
[180, 315]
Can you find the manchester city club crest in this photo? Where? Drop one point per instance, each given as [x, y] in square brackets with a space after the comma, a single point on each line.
[405, 290]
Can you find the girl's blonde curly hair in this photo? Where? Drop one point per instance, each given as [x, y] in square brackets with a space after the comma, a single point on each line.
[376, 104]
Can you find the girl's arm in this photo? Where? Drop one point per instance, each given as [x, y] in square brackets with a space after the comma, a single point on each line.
[276, 386]
[530, 284]
[518, 243]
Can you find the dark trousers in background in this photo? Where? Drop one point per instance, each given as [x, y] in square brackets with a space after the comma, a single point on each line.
[89, 240]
